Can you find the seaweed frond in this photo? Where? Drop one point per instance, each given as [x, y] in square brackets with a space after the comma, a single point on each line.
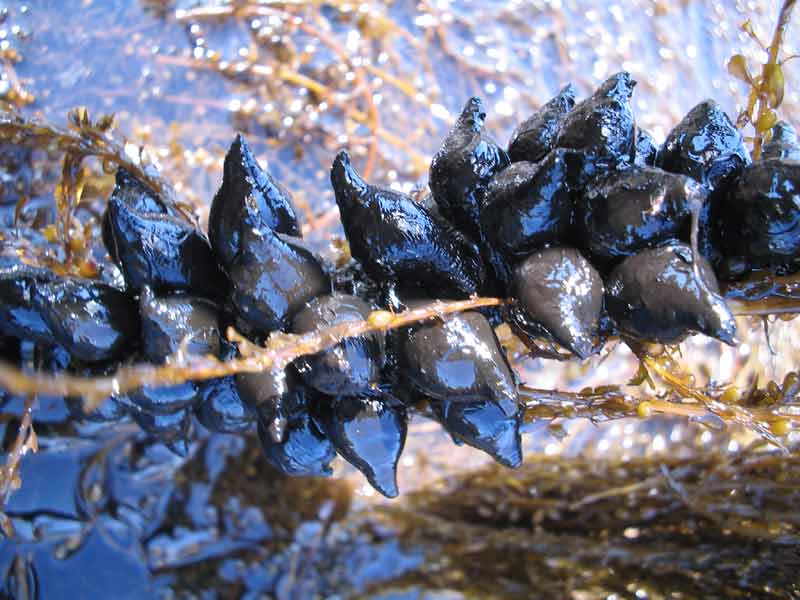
[767, 87]
[82, 138]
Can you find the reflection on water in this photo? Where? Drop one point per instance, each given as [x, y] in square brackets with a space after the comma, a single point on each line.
[102, 510]
[305, 78]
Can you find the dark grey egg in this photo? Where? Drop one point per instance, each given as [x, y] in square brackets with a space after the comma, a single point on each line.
[705, 145]
[657, 295]
[351, 367]
[397, 241]
[369, 433]
[559, 295]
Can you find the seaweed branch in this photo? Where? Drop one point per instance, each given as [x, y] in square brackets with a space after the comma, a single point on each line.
[771, 418]
[81, 139]
[280, 350]
[24, 442]
[767, 88]
[759, 423]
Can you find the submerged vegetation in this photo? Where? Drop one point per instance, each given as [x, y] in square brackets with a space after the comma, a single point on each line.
[710, 524]
[654, 525]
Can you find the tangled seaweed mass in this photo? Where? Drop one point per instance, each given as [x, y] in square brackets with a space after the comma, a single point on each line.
[582, 225]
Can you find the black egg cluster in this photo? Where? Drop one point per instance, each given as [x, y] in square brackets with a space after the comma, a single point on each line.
[583, 223]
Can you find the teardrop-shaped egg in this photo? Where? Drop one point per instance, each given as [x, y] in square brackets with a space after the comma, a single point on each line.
[705, 145]
[396, 240]
[269, 395]
[304, 449]
[462, 167]
[163, 252]
[139, 197]
[559, 295]
[221, 409]
[483, 425]
[165, 399]
[169, 321]
[637, 208]
[173, 429]
[19, 317]
[759, 219]
[272, 278]
[536, 136]
[92, 321]
[369, 433]
[248, 194]
[656, 295]
[646, 148]
[456, 358]
[601, 129]
[528, 206]
[351, 367]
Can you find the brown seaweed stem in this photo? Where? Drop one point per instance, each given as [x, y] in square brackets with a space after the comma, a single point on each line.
[771, 94]
[24, 442]
[766, 89]
[620, 402]
[762, 424]
[280, 350]
[83, 138]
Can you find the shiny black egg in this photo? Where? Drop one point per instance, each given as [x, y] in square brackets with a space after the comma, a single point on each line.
[536, 136]
[20, 318]
[248, 194]
[483, 425]
[457, 358]
[461, 169]
[601, 129]
[92, 321]
[269, 394]
[220, 408]
[170, 322]
[759, 219]
[397, 241]
[272, 278]
[133, 192]
[646, 148]
[163, 252]
[304, 450]
[705, 145]
[165, 399]
[351, 367]
[369, 433]
[528, 206]
[172, 429]
[640, 207]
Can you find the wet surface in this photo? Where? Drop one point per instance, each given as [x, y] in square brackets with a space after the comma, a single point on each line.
[105, 512]
[560, 296]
